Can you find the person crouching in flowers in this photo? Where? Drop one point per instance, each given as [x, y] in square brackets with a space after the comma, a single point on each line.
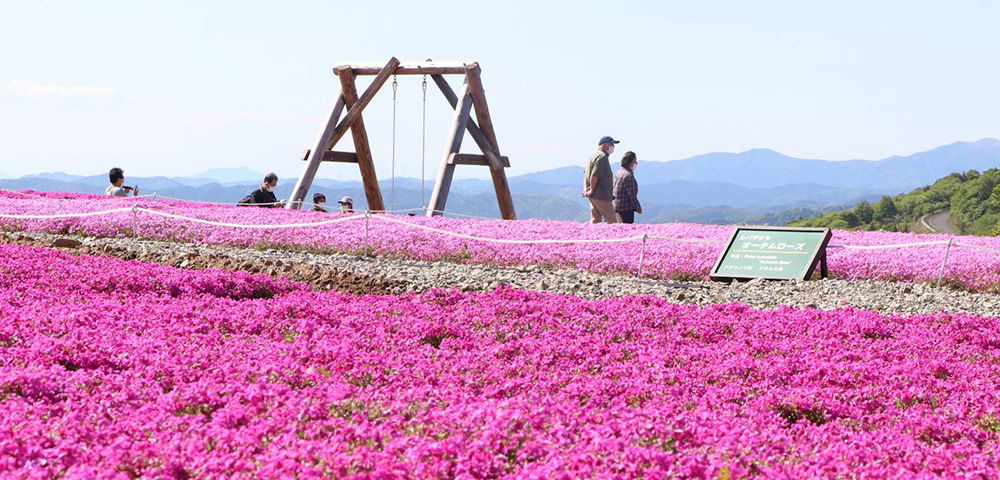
[626, 189]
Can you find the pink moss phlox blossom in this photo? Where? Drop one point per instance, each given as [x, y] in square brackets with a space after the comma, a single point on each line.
[122, 369]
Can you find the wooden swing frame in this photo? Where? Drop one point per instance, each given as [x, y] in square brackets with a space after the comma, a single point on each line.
[471, 95]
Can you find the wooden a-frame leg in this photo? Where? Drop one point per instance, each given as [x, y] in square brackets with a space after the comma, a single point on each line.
[368, 177]
[500, 185]
[440, 194]
[315, 157]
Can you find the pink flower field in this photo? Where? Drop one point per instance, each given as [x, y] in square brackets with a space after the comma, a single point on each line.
[119, 369]
[967, 268]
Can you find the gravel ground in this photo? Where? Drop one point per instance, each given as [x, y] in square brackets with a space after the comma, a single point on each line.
[363, 275]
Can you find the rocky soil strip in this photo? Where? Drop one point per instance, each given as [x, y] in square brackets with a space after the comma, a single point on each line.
[363, 275]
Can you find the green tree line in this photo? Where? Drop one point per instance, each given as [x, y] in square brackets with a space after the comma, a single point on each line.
[971, 198]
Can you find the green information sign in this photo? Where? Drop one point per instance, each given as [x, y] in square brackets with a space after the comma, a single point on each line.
[772, 252]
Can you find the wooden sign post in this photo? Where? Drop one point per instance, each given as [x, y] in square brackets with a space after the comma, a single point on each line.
[775, 253]
[472, 96]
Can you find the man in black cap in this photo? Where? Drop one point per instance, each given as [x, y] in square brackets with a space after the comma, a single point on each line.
[598, 182]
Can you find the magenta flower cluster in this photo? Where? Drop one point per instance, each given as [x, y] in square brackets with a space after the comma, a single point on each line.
[120, 369]
[667, 259]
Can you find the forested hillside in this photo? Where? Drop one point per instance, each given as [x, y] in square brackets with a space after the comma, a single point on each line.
[972, 198]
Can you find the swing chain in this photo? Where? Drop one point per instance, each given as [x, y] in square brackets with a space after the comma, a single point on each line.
[392, 187]
[423, 142]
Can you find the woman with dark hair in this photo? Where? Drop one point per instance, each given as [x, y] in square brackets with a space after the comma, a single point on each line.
[626, 189]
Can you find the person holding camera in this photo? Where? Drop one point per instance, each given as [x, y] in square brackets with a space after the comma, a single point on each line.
[116, 189]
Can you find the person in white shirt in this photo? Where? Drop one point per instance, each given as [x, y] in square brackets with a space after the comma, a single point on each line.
[117, 177]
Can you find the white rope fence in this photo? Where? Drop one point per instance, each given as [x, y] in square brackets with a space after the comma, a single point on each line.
[303, 203]
[686, 240]
[367, 216]
[68, 215]
[266, 226]
[881, 247]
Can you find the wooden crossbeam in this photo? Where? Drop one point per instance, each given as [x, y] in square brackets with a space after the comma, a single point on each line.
[342, 157]
[417, 68]
[472, 159]
[364, 153]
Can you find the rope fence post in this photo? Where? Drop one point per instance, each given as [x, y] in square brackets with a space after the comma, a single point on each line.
[368, 214]
[135, 221]
[642, 252]
[945, 261]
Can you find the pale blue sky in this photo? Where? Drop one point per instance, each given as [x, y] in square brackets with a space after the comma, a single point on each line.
[177, 87]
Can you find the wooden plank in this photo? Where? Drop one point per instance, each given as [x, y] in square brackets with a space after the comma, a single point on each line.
[473, 159]
[364, 71]
[364, 154]
[474, 131]
[410, 68]
[355, 111]
[316, 153]
[341, 157]
[439, 197]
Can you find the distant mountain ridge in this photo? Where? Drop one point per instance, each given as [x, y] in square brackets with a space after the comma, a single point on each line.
[765, 168]
[711, 188]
